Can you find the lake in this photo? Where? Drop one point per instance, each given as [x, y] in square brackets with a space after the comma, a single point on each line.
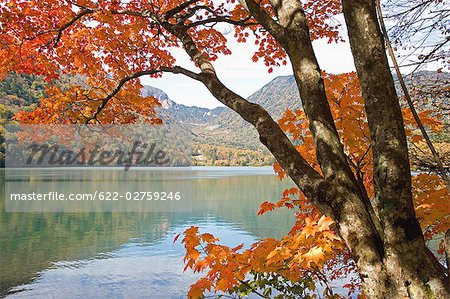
[129, 254]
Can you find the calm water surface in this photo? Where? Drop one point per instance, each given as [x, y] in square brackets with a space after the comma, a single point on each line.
[129, 255]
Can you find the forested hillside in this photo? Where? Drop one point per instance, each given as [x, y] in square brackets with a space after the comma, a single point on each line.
[220, 136]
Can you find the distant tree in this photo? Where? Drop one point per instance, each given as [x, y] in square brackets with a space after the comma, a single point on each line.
[353, 169]
[29, 88]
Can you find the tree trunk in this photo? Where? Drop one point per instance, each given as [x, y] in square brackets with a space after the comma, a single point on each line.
[412, 268]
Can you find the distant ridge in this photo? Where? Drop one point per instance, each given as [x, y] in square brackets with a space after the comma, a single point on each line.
[220, 130]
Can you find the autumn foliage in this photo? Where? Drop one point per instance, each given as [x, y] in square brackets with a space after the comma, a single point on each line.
[105, 42]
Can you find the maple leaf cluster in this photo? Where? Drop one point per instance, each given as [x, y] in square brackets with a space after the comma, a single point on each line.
[295, 256]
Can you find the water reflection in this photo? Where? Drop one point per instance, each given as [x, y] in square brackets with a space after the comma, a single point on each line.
[129, 254]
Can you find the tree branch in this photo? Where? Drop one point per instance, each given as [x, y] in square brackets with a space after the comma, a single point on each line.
[307, 178]
[178, 9]
[70, 23]
[222, 20]
[272, 26]
[123, 81]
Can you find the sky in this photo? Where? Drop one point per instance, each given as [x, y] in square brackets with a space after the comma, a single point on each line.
[240, 74]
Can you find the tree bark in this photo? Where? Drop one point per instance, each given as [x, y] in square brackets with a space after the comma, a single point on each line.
[412, 268]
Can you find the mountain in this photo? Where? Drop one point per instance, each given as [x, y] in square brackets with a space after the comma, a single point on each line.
[220, 136]
[220, 133]
[276, 96]
[222, 127]
[179, 113]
